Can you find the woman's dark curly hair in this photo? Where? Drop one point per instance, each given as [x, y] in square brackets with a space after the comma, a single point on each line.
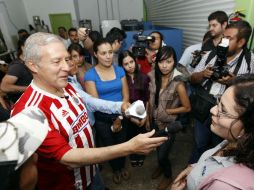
[163, 54]
[244, 98]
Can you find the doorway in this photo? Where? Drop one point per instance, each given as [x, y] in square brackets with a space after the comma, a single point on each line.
[63, 19]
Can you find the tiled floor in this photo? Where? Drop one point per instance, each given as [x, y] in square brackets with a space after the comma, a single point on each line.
[141, 177]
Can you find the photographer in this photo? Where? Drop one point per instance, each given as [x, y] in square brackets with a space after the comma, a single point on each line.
[193, 54]
[238, 61]
[146, 62]
[217, 23]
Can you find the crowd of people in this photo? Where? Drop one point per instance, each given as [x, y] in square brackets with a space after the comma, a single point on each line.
[84, 83]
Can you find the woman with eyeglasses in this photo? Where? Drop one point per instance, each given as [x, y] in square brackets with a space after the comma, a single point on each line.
[230, 165]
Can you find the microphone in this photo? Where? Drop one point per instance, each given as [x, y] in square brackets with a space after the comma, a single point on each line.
[136, 109]
[140, 110]
[172, 128]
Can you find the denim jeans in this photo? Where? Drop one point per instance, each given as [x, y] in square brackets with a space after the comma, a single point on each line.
[204, 139]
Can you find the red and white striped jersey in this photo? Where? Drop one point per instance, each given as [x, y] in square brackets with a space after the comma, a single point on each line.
[69, 128]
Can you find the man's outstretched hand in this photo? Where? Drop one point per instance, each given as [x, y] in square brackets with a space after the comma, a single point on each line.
[145, 143]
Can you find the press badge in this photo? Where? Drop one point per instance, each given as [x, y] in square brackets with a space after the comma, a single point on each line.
[215, 89]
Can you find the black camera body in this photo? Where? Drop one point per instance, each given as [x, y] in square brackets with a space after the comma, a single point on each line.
[197, 55]
[139, 48]
[221, 68]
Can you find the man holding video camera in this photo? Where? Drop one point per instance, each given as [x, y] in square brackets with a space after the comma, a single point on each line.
[146, 53]
[215, 72]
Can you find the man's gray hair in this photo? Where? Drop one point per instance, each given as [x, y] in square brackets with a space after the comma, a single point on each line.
[33, 44]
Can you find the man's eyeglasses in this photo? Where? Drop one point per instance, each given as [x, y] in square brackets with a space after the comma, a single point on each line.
[223, 113]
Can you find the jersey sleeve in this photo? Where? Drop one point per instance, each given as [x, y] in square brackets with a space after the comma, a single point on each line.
[54, 146]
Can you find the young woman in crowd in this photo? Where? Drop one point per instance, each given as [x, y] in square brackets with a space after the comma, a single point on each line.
[107, 81]
[138, 84]
[168, 98]
[233, 120]
[77, 55]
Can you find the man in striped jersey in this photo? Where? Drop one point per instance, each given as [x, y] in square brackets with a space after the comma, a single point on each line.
[67, 156]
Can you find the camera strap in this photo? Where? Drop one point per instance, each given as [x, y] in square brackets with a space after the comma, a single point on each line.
[238, 65]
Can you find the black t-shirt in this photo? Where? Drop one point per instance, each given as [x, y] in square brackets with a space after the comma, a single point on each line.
[18, 69]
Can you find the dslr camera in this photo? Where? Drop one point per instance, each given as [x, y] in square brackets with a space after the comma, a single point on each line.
[139, 48]
[221, 68]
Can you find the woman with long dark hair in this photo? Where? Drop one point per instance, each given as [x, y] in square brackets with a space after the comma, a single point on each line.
[168, 98]
[138, 84]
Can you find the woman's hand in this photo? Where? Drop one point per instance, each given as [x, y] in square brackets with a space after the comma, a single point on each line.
[178, 185]
[138, 122]
[117, 125]
[180, 181]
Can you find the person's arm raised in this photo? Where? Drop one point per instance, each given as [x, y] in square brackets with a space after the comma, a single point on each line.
[85, 39]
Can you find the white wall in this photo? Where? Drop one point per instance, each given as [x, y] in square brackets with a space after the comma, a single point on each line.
[97, 10]
[12, 18]
[16, 14]
[43, 8]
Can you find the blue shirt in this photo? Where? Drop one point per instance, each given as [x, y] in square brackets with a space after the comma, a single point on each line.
[107, 90]
[94, 104]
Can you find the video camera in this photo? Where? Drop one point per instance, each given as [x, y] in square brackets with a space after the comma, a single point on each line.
[221, 68]
[139, 48]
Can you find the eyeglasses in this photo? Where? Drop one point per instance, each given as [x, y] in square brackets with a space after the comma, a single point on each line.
[223, 113]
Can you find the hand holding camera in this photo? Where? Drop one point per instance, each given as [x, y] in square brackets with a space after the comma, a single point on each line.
[208, 72]
[83, 33]
[221, 68]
